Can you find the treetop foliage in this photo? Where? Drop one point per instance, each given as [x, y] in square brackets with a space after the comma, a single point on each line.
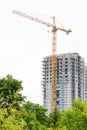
[10, 95]
[18, 114]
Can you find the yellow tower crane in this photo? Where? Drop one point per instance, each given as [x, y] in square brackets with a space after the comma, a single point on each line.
[54, 48]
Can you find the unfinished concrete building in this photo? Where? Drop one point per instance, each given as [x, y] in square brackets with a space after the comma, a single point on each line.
[69, 80]
[85, 90]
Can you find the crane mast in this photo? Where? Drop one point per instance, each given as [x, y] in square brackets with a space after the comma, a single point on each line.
[54, 49]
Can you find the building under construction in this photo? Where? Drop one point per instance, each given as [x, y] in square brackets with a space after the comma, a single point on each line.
[69, 80]
[85, 90]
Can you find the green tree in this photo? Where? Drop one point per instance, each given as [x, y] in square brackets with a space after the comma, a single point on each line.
[38, 111]
[31, 121]
[15, 113]
[54, 119]
[10, 95]
[12, 121]
[75, 118]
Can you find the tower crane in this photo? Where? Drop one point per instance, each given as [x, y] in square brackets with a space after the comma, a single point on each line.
[54, 48]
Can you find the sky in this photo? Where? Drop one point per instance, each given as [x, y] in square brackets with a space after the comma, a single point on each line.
[24, 43]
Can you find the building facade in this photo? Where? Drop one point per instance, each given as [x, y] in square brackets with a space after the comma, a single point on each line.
[85, 90]
[69, 80]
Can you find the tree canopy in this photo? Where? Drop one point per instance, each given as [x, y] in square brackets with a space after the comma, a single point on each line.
[75, 118]
[15, 113]
[10, 95]
[38, 110]
[18, 114]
